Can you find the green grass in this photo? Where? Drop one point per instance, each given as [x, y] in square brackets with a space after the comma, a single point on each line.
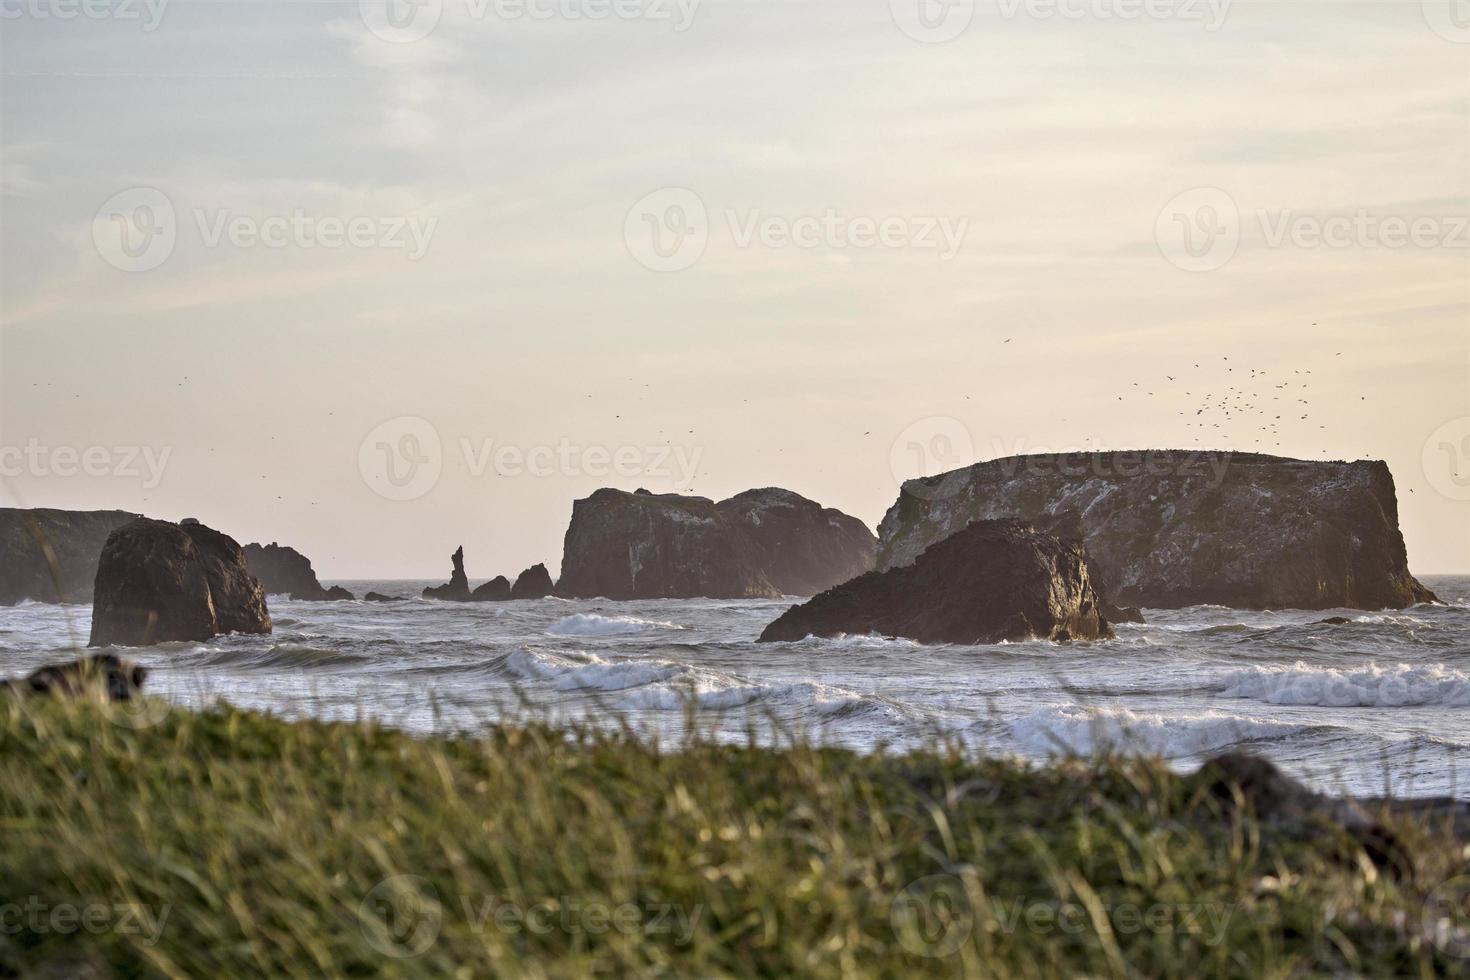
[231, 843]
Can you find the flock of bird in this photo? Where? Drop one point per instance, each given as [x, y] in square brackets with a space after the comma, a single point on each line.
[1225, 405]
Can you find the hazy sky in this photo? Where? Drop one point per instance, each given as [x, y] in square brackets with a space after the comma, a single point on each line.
[257, 253]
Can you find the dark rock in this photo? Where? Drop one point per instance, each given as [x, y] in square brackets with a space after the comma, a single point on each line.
[49, 555]
[120, 679]
[1240, 781]
[158, 581]
[286, 571]
[802, 546]
[495, 590]
[1335, 621]
[762, 543]
[993, 581]
[379, 597]
[1171, 528]
[534, 583]
[458, 587]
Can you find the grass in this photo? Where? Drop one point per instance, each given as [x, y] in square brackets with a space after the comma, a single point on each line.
[229, 843]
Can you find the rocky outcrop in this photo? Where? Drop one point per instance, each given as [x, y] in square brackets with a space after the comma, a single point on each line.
[286, 571]
[1240, 781]
[457, 589]
[760, 544]
[802, 546]
[49, 555]
[495, 590]
[111, 675]
[992, 581]
[534, 583]
[158, 581]
[1171, 528]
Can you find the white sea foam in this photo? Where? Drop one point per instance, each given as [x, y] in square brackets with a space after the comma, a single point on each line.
[593, 624]
[1086, 730]
[1389, 686]
[544, 664]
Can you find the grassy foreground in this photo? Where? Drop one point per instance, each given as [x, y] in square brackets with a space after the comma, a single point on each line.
[231, 843]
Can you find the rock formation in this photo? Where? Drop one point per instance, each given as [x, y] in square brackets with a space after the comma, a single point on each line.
[1171, 528]
[158, 581]
[495, 590]
[49, 555]
[533, 583]
[457, 589]
[1239, 780]
[760, 544]
[108, 673]
[283, 570]
[992, 581]
[802, 546]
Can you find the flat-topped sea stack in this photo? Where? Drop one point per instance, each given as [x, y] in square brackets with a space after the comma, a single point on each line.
[286, 571]
[49, 555]
[158, 581]
[1173, 528]
[992, 581]
[760, 544]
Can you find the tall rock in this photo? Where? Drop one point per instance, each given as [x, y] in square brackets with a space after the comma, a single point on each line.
[760, 544]
[1171, 528]
[158, 581]
[992, 581]
[283, 570]
[457, 589]
[49, 555]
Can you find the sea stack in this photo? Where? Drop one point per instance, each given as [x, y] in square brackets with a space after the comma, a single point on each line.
[283, 570]
[534, 583]
[992, 581]
[158, 581]
[760, 544]
[457, 589]
[1173, 528]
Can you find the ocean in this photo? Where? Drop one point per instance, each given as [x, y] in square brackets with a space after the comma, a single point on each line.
[1377, 704]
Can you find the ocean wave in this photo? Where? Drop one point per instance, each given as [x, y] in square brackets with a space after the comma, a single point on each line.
[668, 685]
[860, 641]
[1086, 730]
[1391, 686]
[529, 664]
[593, 624]
[282, 655]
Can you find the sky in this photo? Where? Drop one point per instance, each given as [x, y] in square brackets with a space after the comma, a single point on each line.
[379, 279]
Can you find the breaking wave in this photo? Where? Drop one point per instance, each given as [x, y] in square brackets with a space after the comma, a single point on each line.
[1391, 686]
